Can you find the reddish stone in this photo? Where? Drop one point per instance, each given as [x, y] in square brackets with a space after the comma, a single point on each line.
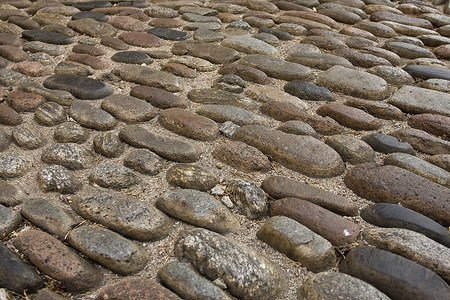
[227, 17]
[337, 230]
[86, 59]
[114, 43]
[283, 111]
[442, 52]
[158, 97]
[9, 116]
[392, 184]
[88, 49]
[31, 68]
[438, 125]
[241, 156]
[141, 39]
[179, 70]
[165, 22]
[422, 141]
[349, 116]
[13, 53]
[313, 16]
[245, 72]
[136, 289]
[23, 102]
[58, 261]
[25, 23]
[9, 39]
[128, 23]
[352, 31]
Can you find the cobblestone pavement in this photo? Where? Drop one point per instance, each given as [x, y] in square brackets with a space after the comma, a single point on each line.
[224, 149]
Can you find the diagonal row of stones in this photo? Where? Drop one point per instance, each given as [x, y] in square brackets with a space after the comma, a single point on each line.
[100, 97]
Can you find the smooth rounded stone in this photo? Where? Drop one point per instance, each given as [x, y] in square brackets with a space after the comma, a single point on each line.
[94, 62]
[10, 39]
[91, 27]
[409, 51]
[223, 113]
[122, 213]
[57, 96]
[166, 147]
[199, 209]
[298, 242]
[11, 195]
[91, 117]
[113, 175]
[189, 124]
[242, 157]
[189, 176]
[410, 100]
[148, 76]
[334, 228]
[202, 25]
[412, 245]
[58, 179]
[31, 68]
[280, 34]
[392, 184]
[324, 42]
[58, 261]
[12, 53]
[179, 70]
[376, 28]
[187, 283]
[141, 39]
[114, 43]
[419, 166]
[69, 155]
[49, 217]
[9, 116]
[214, 53]
[194, 17]
[392, 75]
[50, 114]
[298, 127]
[284, 148]
[308, 91]
[385, 143]
[135, 289]
[88, 49]
[245, 72]
[58, 28]
[363, 60]
[128, 108]
[322, 61]
[392, 215]
[334, 285]
[47, 294]
[24, 102]
[442, 52]
[250, 45]
[88, 6]
[378, 109]
[108, 144]
[434, 40]
[127, 23]
[293, 29]
[440, 160]
[144, 161]
[10, 77]
[100, 17]
[9, 221]
[230, 82]
[250, 199]
[37, 46]
[5, 140]
[132, 57]
[432, 123]
[196, 63]
[396, 276]
[350, 117]
[423, 141]
[109, 249]
[352, 150]
[354, 83]
[220, 97]
[70, 132]
[427, 72]
[79, 86]
[158, 97]
[46, 36]
[16, 275]
[239, 24]
[246, 273]
[276, 67]
[28, 137]
[437, 19]
[409, 30]
[402, 19]
[169, 34]
[14, 165]
[340, 16]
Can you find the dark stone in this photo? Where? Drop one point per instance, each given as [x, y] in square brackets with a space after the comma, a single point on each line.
[132, 57]
[144, 161]
[396, 276]
[46, 36]
[16, 275]
[385, 143]
[392, 215]
[79, 86]
[427, 72]
[158, 97]
[11, 195]
[90, 5]
[169, 34]
[136, 289]
[100, 17]
[308, 91]
[91, 117]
